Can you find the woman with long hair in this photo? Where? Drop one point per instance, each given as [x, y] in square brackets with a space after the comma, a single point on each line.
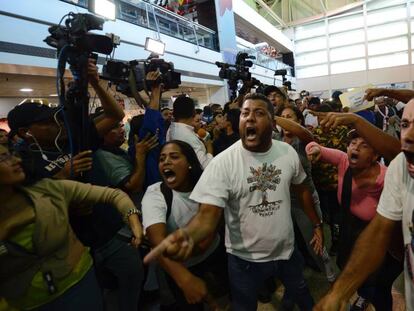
[166, 207]
[43, 266]
[360, 183]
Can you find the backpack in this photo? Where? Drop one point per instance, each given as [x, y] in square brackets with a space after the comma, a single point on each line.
[168, 197]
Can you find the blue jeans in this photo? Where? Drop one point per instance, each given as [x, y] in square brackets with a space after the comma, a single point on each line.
[246, 277]
[123, 262]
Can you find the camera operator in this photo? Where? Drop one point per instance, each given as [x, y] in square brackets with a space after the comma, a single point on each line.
[152, 123]
[45, 149]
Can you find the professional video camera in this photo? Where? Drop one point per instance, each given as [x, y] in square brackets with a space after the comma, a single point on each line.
[76, 36]
[120, 74]
[285, 82]
[75, 44]
[239, 71]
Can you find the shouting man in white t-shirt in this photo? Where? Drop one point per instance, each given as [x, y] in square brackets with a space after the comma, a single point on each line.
[396, 204]
[250, 183]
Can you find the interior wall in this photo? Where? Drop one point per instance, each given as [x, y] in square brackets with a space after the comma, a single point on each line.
[7, 104]
[331, 83]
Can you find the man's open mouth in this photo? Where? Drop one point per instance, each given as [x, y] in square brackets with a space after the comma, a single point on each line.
[251, 133]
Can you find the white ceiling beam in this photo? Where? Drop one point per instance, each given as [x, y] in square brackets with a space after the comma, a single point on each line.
[324, 9]
[327, 14]
[271, 12]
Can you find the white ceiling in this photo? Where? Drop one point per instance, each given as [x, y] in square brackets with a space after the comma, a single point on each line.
[292, 11]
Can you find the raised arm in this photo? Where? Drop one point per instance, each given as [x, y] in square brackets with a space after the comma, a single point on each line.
[316, 152]
[296, 129]
[401, 95]
[386, 145]
[113, 113]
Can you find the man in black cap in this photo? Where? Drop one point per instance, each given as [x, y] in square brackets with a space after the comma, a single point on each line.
[47, 148]
[276, 96]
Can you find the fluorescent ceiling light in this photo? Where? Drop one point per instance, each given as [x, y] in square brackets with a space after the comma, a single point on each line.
[155, 46]
[104, 8]
[53, 95]
[26, 90]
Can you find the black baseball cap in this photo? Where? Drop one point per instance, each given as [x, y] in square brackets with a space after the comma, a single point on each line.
[29, 112]
[273, 88]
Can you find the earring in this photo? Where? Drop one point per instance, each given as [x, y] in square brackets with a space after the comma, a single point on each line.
[190, 167]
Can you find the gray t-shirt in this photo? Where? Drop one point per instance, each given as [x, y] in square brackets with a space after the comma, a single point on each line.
[253, 189]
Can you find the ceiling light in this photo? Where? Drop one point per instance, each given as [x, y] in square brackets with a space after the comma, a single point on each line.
[26, 90]
[53, 95]
[104, 8]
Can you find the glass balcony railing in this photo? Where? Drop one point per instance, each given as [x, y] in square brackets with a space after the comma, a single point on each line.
[157, 18]
[265, 61]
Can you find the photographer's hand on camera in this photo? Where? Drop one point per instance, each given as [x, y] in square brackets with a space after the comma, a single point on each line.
[113, 113]
[156, 90]
[93, 76]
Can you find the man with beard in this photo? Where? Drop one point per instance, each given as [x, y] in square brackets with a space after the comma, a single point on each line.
[250, 183]
[396, 204]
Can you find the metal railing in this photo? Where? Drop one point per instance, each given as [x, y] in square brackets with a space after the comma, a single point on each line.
[157, 18]
[266, 61]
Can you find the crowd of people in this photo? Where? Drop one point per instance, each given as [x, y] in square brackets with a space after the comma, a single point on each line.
[235, 194]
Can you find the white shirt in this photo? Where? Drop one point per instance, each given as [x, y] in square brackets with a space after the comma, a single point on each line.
[253, 188]
[154, 211]
[184, 132]
[397, 203]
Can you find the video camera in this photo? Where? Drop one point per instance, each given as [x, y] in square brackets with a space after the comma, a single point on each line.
[75, 44]
[238, 71]
[76, 37]
[120, 72]
[285, 82]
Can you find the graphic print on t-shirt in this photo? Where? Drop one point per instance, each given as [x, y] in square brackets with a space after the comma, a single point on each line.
[264, 178]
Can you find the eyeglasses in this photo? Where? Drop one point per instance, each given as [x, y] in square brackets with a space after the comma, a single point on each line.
[7, 157]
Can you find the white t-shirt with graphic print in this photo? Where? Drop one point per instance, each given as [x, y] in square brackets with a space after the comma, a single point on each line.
[253, 189]
[397, 203]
